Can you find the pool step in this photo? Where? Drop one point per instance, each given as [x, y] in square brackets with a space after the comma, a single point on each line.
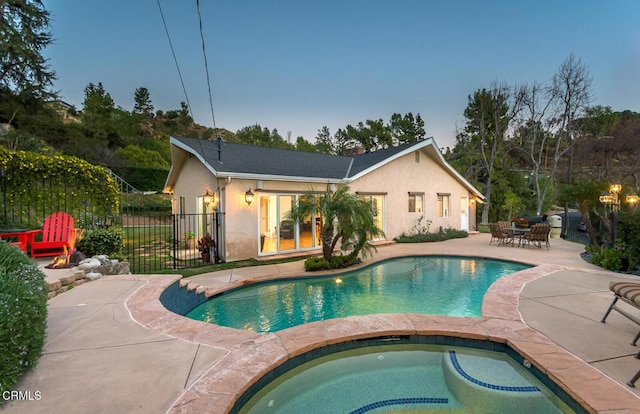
[491, 385]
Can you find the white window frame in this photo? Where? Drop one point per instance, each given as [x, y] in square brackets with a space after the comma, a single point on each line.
[444, 205]
[418, 202]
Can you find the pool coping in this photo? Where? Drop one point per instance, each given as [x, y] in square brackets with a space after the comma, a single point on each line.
[249, 355]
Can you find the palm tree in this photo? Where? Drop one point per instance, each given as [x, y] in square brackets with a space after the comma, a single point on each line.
[345, 218]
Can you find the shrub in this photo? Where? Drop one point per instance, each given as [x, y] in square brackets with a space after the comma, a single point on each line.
[320, 263]
[620, 258]
[444, 234]
[595, 256]
[102, 241]
[611, 259]
[23, 314]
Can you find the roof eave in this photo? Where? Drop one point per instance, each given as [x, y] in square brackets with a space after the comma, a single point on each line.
[428, 142]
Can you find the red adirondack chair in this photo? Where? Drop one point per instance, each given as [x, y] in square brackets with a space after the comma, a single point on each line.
[56, 231]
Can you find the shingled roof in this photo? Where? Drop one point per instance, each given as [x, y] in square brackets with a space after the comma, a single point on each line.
[250, 161]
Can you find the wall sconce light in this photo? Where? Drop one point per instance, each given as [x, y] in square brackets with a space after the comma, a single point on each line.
[208, 197]
[248, 197]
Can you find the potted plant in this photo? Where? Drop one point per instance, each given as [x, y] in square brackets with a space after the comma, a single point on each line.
[189, 239]
[520, 222]
[205, 245]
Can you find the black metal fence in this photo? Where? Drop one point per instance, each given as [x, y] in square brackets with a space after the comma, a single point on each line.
[154, 238]
[170, 241]
[47, 196]
[574, 230]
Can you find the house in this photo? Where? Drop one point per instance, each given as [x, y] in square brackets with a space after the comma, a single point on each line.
[255, 187]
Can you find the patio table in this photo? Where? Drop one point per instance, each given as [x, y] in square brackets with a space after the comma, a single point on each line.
[520, 233]
[23, 237]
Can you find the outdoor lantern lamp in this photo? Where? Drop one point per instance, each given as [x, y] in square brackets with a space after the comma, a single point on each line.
[208, 197]
[611, 199]
[615, 188]
[248, 197]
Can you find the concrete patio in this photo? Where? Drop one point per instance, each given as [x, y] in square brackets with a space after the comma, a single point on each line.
[111, 347]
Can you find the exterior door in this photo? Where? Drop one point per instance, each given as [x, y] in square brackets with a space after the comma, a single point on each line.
[464, 213]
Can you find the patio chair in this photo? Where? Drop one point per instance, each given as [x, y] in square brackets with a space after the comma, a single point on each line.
[629, 293]
[632, 381]
[56, 232]
[504, 224]
[539, 234]
[501, 236]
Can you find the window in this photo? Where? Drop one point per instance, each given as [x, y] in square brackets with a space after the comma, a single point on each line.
[377, 205]
[417, 156]
[443, 204]
[416, 202]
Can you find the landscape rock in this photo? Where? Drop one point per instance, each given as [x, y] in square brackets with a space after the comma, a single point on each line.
[53, 286]
[121, 268]
[89, 264]
[93, 275]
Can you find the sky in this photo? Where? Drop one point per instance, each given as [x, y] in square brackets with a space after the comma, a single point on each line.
[299, 65]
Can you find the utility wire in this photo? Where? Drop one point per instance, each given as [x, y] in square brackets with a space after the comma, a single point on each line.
[175, 59]
[206, 65]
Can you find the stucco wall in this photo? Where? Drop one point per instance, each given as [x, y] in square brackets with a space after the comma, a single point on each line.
[405, 175]
[194, 179]
[396, 179]
[241, 220]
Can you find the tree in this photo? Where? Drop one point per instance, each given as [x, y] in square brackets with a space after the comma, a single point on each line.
[512, 203]
[536, 137]
[571, 86]
[371, 135]
[325, 143]
[24, 33]
[489, 114]
[304, 145]
[406, 129]
[98, 111]
[585, 193]
[346, 219]
[143, 104]
[256, 135]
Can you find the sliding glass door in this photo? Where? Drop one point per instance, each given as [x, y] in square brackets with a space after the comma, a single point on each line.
[278, 233]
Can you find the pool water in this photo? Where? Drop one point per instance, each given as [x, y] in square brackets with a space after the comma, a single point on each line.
[407, 378]
[433, 285]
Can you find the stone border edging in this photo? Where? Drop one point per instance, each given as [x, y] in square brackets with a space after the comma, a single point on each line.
[250, 356]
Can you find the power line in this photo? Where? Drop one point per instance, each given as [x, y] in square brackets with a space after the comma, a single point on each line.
[175, 59]
[206, 64]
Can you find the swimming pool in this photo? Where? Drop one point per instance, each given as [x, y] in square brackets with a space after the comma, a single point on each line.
[406, 378]
[434, 285]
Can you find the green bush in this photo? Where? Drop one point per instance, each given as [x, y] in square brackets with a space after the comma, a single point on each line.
[320, 263]
[23, 314]
[444, 234]
[611, 259]
[621, 258]
[596, 256]
[147, 203]
[102, 241]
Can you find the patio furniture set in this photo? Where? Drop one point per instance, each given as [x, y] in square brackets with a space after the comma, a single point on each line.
[51, 240]
[504, 234]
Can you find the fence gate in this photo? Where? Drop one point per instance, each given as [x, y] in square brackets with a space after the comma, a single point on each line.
[170, 241]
